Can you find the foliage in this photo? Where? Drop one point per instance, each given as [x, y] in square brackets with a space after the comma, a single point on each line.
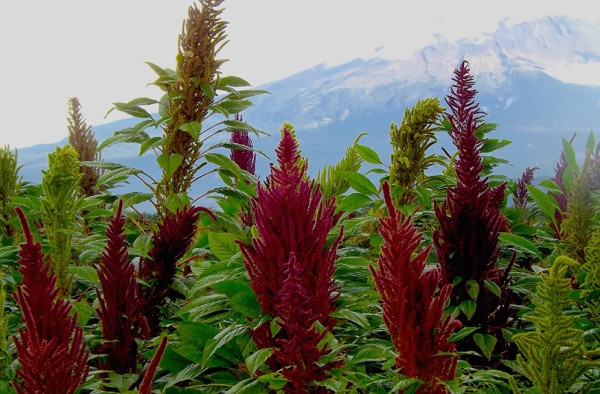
[553, 354]
[293, 284]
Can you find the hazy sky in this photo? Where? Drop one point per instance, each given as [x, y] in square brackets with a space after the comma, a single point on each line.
[95, 50]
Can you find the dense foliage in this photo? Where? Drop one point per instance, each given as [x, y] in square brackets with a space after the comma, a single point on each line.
[423, 273]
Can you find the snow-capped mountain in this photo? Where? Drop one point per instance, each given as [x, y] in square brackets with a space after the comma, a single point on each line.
[519, 71]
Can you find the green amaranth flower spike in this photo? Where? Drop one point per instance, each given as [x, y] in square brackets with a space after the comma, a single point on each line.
[10, 182]
[553, 356]
[331, 178]
[410, 142]
[59, 204]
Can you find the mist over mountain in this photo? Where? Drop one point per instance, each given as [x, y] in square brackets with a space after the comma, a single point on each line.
[518, 72]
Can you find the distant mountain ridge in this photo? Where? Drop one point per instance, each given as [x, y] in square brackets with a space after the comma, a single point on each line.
[330, 106]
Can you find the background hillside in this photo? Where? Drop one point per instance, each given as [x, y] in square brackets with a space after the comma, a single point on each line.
[517, 73]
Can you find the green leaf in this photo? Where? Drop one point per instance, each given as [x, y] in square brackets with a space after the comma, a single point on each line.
[357, 318]
[473, 289]
[192, 128]
[232, 81]
[590, 143]
[131, 109]
[84, 312]
[224, 162]
[275, 380]
[131, 199]
[151, 143]
[247, 304]
[493, 287]
[523, 245]
[258, 359]
[486, 343]
[360, 182]
[464, 332]
[468, 307]
[222, 338]
[85, 272]
[353, 202]
[232, 288]
[222, 245]
[169, 163]
[177, 201]
[547, 204]
[208, 91]
[368, 154]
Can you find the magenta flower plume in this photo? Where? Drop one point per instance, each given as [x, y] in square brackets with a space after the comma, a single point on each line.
[146, 385]
[520, 199]
[50, 348]
[470, 219]
[298, 351]
[413, 303]
[121, 302]
[246, 159]
[290, 256]
[171, 241]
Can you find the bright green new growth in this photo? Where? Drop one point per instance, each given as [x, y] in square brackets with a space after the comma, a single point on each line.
[332, 179]
[553, 356]
[577, 227]
[410, 142]
[592, 262]
[10, 182]
[59, 204]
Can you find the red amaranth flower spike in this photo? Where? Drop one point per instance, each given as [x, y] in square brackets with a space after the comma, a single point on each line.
[292, 220]
[413, 303]
[121, 302]
[246, 159]
[171, 241]
[146, 386]
[520, 199]
[470, 222]
[50, 348]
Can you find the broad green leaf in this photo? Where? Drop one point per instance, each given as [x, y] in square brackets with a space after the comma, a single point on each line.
[360, 182]
[368, 154]
[84, 312]
[208, 91]
[169, 163]
[493, 287]
[131, 199]
[275, 380]
[151, 143]
[222, 338]
[353, 202]
[131, 109]
[258, 359]
[232, 81]
[521, 244]
[192, 128]
[486, 343]
[464, 332]
[247, 304]
[468, 307]
[232, 288]
[224, 162]
[247, 386]
[85, 272]
[222, 245]
[176, 202]
[590, 143]
[547, 204]
[473, 289]
[357, 318]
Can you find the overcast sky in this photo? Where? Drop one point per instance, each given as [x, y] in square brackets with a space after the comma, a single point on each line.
[95, 50]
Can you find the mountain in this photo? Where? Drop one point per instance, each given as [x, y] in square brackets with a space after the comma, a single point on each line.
[516, 70]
